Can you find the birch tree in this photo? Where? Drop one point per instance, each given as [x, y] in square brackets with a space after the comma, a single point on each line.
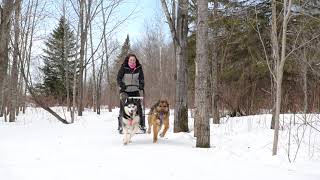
[84, 21]
[28, 49]
[279, 64]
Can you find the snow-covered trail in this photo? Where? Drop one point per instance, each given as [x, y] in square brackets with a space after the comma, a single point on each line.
[39, 147]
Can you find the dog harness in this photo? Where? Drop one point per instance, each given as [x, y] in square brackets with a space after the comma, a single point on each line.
[160, 118]
[130, 122]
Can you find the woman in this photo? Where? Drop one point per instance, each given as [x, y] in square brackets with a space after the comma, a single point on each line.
[130, 79]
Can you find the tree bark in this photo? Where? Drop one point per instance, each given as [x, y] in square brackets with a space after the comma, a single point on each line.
[105, 20]
[181, 108]
[74, 86]
[179, 36]
[275, 57]
[65, 54]
[94, 94]
[201, 77]
[5, 26]
[29, 52]
[279, 71]
[14, 71]
[305, 82]
[82, 45]
[84, 21]
[215, 67]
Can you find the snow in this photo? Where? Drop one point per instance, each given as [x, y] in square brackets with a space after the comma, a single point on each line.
[39, 147]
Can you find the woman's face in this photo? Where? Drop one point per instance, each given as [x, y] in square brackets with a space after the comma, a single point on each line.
[132, 60]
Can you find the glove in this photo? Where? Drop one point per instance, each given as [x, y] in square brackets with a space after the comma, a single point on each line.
[122, 87]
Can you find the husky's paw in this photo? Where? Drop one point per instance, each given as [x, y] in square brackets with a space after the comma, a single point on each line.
[125, 141]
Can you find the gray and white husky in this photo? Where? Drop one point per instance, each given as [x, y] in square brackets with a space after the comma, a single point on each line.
[130, 120]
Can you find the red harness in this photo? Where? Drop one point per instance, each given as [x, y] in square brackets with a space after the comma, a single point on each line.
[130, 122]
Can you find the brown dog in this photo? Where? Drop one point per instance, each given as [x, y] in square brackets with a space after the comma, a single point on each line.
[158, 116]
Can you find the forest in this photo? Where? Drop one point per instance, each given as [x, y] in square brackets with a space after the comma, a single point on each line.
[221, 58]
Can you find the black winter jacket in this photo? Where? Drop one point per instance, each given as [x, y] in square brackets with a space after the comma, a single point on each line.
[130, 80]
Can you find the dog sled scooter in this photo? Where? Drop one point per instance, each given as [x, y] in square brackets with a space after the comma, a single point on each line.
[141, 100]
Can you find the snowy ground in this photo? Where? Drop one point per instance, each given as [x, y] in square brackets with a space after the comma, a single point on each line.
[38, 147]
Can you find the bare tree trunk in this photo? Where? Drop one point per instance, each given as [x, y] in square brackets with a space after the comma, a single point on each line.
[2, 105]
[14, 71]
[160, 73]
[84, 21]
[5, 93]
[100, 75]
[275, 57]
[279, 71]
[24, 44]
[65, 54]
[273, 100]
[174, 39]
[215, 64]
[19, 96]
[82, 45]
[94, 94]
[181, 108]
[179, 36]
[99, 95]
[5, 26]
[201, 77]
[105, 20]
[85, 86]
[29, 51]
[305, 84]
[26, 25]
[74, 86]
[109, 90]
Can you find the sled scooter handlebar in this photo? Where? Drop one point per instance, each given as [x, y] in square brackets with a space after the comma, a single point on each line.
[139, 90]
[140, 97]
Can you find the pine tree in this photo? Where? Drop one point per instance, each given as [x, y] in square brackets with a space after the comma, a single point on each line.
[55, 65]
[125, 49]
